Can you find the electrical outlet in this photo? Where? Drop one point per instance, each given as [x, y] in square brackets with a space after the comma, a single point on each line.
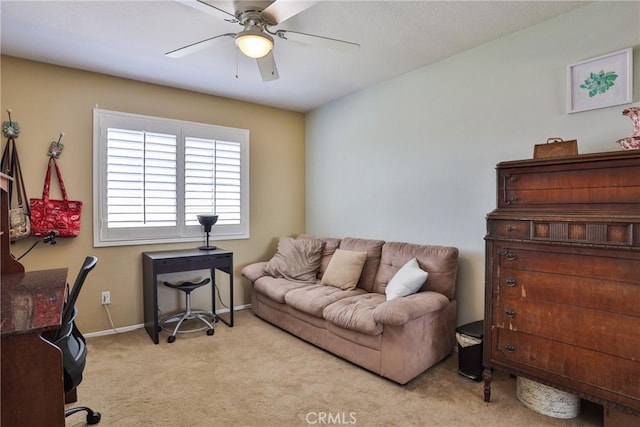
[106, 297]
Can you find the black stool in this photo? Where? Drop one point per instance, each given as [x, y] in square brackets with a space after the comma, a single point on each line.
[189, 314]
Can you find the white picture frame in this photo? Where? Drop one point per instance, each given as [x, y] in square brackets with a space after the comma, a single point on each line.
[600, 82]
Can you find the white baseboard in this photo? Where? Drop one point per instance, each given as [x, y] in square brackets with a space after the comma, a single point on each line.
[111, 331]
[141, 325]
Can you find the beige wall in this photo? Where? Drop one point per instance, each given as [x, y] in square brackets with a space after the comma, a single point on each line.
[46, 100]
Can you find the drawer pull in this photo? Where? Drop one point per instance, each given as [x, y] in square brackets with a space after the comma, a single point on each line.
[509, 348]
[510, 313]
[511, 228]
[508, 177]
[511, 282]
[510, 255]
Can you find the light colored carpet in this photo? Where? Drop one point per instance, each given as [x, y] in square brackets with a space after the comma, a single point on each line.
[255, 374]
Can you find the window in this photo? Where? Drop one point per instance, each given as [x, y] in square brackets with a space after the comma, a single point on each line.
[153, 176]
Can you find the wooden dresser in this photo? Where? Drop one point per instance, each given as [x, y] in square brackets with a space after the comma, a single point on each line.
[31, 368]
[562, 302]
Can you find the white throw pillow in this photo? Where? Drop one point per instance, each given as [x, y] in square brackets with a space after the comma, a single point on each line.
[408, 280]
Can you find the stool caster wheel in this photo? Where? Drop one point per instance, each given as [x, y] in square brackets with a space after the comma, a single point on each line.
[210, 331]
[93, 417]
[171, 339]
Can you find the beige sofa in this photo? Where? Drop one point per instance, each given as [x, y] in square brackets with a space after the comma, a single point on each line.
[397, 339]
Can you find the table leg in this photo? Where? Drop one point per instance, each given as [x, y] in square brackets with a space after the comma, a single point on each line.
[231, 296]
[229, 322]
[150, 296]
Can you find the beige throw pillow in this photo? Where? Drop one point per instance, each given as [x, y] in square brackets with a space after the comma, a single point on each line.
[296, 259]
[344, 269]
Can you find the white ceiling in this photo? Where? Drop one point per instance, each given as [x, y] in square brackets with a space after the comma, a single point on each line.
[129, 39]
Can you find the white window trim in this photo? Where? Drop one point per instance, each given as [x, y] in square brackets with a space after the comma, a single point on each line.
[102, 119]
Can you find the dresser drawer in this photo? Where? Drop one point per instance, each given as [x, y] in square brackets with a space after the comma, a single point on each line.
[596, 330]
[170, 265]
[619, 266]
[587, 292]
[549, 228]
[617, 234]
[594, 183]
[601, 374]
[509, 229]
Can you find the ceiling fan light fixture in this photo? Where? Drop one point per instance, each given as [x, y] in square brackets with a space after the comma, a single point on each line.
[254, 43]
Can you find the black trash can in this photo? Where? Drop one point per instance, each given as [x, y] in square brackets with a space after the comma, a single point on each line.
[469, 339]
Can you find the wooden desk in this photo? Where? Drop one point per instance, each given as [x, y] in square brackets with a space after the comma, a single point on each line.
[31, 372]
[154, 263]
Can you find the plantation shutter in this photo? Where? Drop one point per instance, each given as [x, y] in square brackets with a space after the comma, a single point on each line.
[212, 180]
[153, 176]
[141, 179]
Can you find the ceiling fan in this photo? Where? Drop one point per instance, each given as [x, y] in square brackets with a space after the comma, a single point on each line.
[256, 40]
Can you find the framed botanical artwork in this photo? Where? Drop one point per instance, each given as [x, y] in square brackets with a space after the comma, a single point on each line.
[601, 82]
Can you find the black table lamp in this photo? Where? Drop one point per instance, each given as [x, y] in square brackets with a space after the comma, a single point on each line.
[207, 221]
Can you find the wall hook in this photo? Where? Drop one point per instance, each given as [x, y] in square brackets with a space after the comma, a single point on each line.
[56, 147]
[10, 129]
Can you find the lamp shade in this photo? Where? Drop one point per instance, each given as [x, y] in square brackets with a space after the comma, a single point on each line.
[207, 221]
[254, 43]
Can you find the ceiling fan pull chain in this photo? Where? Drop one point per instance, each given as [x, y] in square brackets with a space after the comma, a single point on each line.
[236, 49]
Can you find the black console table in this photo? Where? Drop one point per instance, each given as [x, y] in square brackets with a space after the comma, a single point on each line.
[154, 263]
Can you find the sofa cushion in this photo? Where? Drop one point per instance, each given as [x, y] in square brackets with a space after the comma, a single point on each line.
[355, 313]
[296, 259]
[312, 299]
[344, 269]
[373, 248]
[408, 280]
[276, 287]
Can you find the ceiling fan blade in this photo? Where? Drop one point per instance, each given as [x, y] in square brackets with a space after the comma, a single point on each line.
[195, 47]
[205, 7]
[267, 66]
[281, 10]
[315, 39]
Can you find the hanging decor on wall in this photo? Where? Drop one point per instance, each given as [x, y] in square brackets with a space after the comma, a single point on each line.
[19, 215]
[600, 82]
[632, 142]
[60, 217]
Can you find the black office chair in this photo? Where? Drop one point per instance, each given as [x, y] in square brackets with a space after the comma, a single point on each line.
[73, 345]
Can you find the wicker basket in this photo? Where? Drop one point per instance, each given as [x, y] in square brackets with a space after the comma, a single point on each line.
[547, 400]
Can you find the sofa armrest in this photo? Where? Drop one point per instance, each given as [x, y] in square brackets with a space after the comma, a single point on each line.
[254, 271]
[401, 310]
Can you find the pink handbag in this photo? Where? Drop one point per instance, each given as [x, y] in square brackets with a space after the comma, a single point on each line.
[60, 216]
